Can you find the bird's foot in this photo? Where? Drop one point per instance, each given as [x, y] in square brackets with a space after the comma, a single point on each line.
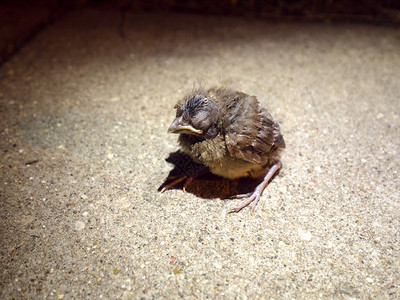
[255, 196]
[175, 182]
[241, 196]
[187, 183]
[252, 198]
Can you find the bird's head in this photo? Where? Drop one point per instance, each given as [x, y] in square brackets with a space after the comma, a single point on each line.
[196, 115]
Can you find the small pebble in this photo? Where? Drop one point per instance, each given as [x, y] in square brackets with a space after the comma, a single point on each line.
[218, 265]
[318, 169]
[305, 235]
[79, 225]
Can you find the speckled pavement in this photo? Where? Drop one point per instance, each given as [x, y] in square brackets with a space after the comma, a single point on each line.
[85, 108]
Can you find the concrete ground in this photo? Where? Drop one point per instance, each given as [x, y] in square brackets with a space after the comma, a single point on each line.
[85, 108]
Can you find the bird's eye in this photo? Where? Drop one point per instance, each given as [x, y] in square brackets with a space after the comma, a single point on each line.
[200, 119]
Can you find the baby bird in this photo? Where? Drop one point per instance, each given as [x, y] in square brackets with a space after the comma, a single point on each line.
[228, 132]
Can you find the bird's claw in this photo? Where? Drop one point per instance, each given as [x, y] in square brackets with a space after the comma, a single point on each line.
[174, 183]
[256, 195]
[250, 198]
[187, 183]
[254, 198]
[240, 196]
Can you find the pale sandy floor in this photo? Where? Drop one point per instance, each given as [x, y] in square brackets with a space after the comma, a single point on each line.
[84, 113]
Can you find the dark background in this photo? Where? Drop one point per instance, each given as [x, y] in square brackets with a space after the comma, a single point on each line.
[21, 20]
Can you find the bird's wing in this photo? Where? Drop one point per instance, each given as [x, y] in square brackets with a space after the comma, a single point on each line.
[252, 135]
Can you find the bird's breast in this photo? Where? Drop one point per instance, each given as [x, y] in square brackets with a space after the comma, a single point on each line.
[233, 168]
[214, 154]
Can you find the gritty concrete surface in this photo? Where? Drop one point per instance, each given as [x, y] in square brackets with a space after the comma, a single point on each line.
[85, 108]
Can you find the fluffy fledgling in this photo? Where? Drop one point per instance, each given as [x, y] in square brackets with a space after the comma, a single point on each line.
[228, 132]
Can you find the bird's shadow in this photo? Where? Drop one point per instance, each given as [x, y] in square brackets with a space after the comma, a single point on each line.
[204, 184]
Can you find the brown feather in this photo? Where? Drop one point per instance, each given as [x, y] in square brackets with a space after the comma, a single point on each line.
[228, 132]
[239, 137]
[258, 139]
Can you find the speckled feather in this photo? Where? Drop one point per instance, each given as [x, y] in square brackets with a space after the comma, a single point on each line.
[239, 137]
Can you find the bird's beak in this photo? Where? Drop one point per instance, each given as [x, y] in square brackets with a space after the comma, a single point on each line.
[179, 126]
